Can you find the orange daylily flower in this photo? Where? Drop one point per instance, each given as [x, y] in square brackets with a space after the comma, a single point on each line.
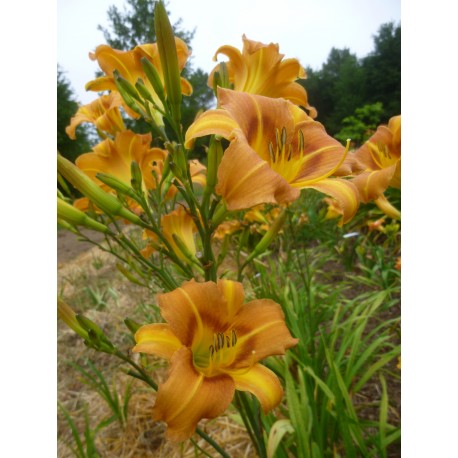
[214, 342]
[128, 64]
[103, 113]
[180, 223]
[260, 69]
[276, 150]
[381, 157]
[115, 157]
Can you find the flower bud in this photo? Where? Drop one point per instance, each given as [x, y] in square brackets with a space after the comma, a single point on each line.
[72, 215]
[137, 178]
[68, 316]
[268, 237]
[132, 325]
[169, 59]
[106, 202]
[116, 184]
[153, 77]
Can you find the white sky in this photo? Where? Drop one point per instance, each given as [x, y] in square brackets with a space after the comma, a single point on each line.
[304, 29]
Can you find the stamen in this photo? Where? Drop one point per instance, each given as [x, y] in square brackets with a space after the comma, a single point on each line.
[271, 152]
[277, 136]
[301, 142]
[211, 348]
[283, 137]
[234, 338]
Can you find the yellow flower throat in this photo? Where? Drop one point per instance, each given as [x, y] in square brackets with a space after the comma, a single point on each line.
[281, 158]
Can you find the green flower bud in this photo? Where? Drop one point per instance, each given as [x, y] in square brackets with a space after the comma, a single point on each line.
[169, 59]
[72, 215]
[106, 202]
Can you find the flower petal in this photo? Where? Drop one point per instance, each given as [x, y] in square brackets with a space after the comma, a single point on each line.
[261, 332]
[218, 122]
[194, 310]
[156, 339]
[373, 184]
[245, 180]
[344, 191]
[188, 396]
[234, 295]
[261, 382]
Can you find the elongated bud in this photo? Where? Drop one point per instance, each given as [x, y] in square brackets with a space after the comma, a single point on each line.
[96, 336]
[125, 87]
[68, 316]
[128, 275]
[215, 154]
[132, 325]
[219, 214]
[153, 77]
[106, 202]
[67, 226]
[143, 91]
[169, 60]
[72, 215]
[221, 78]
[137, 178]
[116, 184]
[268, 237]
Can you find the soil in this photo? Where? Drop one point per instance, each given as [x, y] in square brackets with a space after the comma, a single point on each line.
[70, 246]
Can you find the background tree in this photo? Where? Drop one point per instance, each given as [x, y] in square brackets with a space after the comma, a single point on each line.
[346, 83]
[382, 69]
[66, 108]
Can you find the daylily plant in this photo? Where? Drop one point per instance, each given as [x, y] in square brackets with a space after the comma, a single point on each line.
[275, 150]
[260, 69]
[214, 342]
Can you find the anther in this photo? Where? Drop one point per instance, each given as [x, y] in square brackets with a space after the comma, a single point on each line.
[271, 152]
[283, 136]
[234, 338]
[212, 350]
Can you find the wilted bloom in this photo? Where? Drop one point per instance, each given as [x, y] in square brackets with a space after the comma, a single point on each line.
[214, 342]
[381, 157]
[275, 150]
[103, 113]
[128, 65]
[177, 224]
[260, 69]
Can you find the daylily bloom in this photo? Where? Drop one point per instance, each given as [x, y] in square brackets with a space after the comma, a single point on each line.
[180, 223]
[381, 157]
[214, 342]
[275, 150]
[128, 64]
[114, 157]
[103, 113]
[260, 69]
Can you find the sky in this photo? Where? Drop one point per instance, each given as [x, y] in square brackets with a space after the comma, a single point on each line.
[304, 29]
